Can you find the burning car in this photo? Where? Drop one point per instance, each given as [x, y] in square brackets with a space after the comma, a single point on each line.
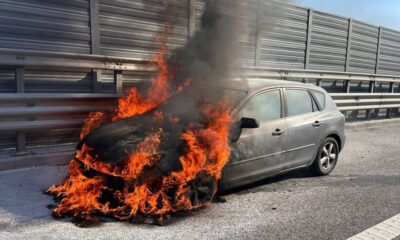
[278, 126]
[174, 157]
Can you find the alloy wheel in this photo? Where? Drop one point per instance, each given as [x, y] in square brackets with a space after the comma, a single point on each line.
[328, 155]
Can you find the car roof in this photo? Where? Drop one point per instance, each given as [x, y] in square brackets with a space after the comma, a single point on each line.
[256, 84]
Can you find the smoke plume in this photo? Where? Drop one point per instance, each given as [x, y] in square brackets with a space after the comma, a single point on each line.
[209, 54]
[208, 58]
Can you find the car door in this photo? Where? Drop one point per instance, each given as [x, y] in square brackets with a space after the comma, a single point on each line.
[259, 151]
[304, 128]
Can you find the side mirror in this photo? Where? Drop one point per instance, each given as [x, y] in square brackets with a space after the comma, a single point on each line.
[249, 123]
[236, 128]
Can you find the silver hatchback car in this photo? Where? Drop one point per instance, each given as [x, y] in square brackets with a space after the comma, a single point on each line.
[282, 126]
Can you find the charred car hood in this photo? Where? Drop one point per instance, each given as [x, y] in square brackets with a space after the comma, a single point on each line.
[114, 143]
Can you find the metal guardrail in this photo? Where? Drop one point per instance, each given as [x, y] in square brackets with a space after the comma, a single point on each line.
[363, 101]
[345, 101]
[26, 112]
[287, 74]
[367, 101]
[26, 108]
[41, 59]
[29, 112]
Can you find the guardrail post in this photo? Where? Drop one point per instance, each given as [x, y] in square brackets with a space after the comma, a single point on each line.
[378, 50]
[21, 142]
[257, 54]
[308, 43]
[389, 110]
[20, 86]
[192, 18]
[371, 89]
[118, 80]
[389, 113]
[95, 41]
[350, 30]
[20, 79]
[96, 78]
[347, 85]
[391, 87]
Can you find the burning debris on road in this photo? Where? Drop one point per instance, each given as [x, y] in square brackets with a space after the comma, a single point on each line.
[162, 153]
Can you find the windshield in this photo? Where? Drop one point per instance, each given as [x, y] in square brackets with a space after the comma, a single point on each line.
[186, 103]
[231, 95]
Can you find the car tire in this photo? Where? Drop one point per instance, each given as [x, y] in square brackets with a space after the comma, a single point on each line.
[327, 156]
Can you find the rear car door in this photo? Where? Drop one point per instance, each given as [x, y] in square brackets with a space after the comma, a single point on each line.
[259, 151]
[304, 128]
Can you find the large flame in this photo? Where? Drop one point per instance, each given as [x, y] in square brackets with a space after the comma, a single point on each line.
[207, 151]
[134, 104]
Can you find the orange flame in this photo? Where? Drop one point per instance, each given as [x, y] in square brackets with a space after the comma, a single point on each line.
[145, 156]
[207, 152]
[94, 121]
[79, 194]
[134, 104]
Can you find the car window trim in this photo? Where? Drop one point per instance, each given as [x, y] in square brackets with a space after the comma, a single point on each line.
[316, 101]
[280, 89]
[285, 102]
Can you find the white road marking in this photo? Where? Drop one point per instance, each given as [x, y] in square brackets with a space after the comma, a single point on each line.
[386, 230]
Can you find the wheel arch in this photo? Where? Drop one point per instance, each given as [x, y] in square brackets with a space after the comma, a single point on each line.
[337, 138]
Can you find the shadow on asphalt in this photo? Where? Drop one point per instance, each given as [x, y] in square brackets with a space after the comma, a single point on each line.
[303, 179]
[254, 187]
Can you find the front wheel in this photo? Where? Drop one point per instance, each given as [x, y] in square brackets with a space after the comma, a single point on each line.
[327, 156]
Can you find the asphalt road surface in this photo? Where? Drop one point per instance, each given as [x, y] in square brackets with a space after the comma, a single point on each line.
[363, 191]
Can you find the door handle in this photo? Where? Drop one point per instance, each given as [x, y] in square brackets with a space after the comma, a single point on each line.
[317, 123]
[278, 132]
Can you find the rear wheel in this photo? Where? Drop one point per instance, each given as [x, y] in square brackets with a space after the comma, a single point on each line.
[326, 158]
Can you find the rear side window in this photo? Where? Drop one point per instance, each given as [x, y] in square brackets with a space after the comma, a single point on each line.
[320, 97]
[298, 102]
[263, 107]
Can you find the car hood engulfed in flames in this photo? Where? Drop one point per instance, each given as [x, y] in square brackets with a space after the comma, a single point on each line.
[113, 143]
[148, 165]
[157, 154]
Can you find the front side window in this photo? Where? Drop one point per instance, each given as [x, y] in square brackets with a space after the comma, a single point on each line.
[263, 107]
[298, 102]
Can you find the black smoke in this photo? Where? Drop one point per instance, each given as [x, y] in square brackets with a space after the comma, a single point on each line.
[208, 58]
[209, 54]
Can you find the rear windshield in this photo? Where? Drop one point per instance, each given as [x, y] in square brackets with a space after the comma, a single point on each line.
[320, 97]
